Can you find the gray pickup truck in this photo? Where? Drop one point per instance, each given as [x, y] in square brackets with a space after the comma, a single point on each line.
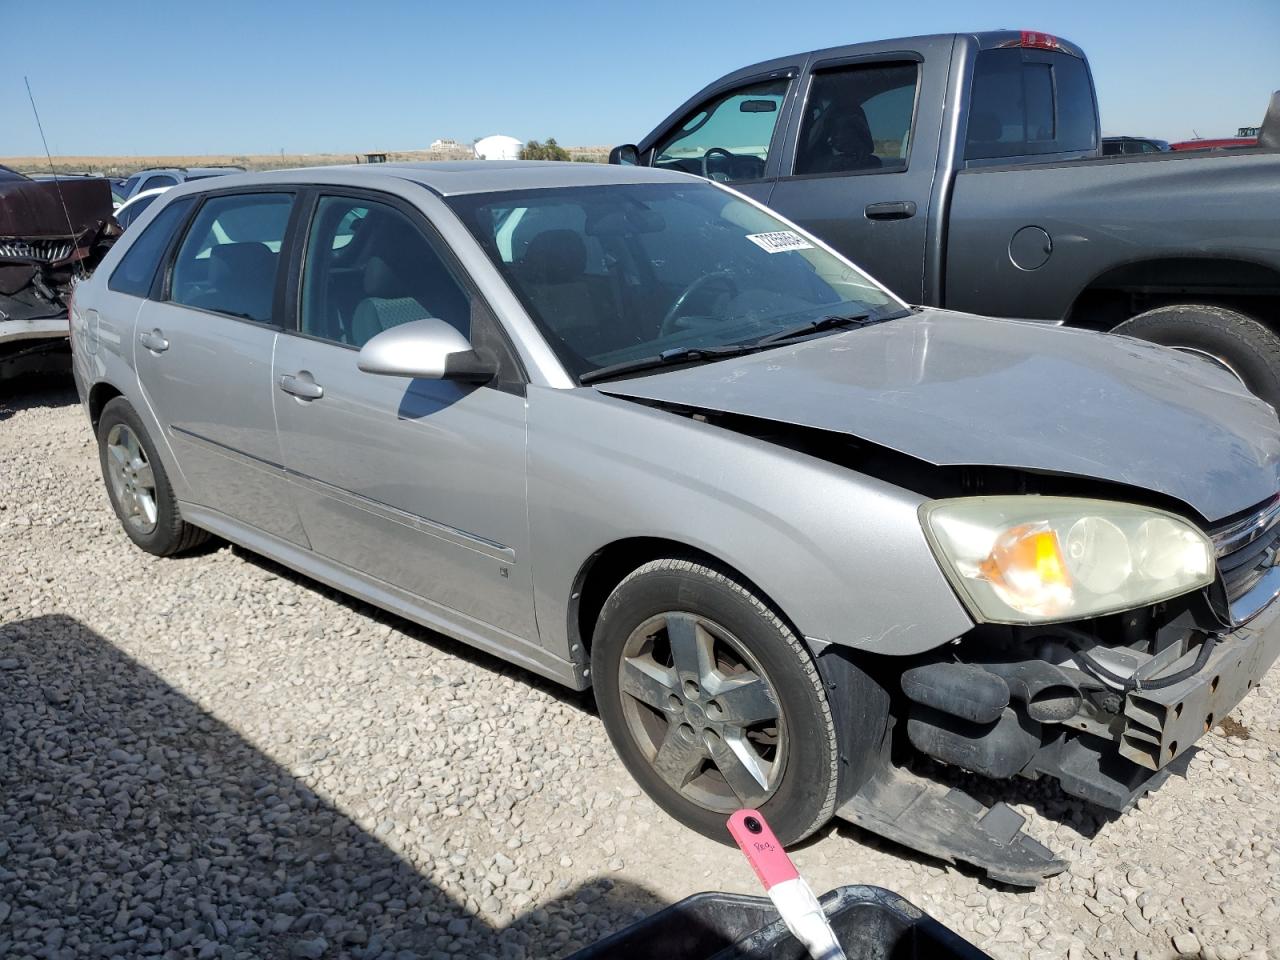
[965, 171]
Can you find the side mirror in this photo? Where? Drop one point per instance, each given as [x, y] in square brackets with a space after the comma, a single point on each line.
[627, 155]
[427, 349]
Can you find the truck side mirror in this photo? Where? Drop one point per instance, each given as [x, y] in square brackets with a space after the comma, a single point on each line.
[627, 155]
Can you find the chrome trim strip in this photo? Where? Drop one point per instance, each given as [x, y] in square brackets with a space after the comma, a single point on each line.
[1244, 608]
[433, 528]
[442, 531]
[1229, 539]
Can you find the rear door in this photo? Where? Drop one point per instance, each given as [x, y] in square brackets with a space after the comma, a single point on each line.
[203, 355]
[861, 160]
[419, 484]
[732, 135]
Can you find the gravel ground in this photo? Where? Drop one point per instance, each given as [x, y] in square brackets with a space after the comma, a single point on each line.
[213, 757]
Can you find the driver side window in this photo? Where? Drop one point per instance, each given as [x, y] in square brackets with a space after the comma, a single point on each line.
[727, 138]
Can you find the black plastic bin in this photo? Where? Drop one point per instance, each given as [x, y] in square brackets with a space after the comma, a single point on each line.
[872, 924]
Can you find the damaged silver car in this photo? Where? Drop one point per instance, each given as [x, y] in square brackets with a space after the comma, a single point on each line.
[630, 430]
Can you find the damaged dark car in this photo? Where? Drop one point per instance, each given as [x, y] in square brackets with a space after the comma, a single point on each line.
[51, 232]
[629, 429]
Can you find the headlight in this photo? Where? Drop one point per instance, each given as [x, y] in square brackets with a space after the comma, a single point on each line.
[1035, 559]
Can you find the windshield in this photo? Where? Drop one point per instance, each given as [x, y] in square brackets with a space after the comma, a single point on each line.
[617, 273]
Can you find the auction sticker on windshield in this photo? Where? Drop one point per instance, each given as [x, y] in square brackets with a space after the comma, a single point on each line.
[779, 241]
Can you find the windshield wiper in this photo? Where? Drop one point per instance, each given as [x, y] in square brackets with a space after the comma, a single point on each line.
[817, 326]
[666, 357]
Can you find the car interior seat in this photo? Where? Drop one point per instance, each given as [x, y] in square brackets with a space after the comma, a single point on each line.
[404, 280]
[553, 271]
[241, 280]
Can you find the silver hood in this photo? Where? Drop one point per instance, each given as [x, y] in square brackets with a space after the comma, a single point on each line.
[955, 389]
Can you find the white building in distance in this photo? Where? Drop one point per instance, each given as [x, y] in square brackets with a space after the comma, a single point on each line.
[498, 148]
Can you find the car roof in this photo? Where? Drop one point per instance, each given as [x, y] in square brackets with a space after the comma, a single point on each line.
[452, 178]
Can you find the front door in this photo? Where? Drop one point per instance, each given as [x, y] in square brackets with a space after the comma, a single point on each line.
[203, 355]
[419, 484]
[731, 137]
[851, 175]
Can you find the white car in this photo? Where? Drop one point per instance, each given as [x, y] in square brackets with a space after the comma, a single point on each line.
[132, 208]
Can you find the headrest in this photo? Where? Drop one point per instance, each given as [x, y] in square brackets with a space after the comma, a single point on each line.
[850, 133]
[381, 281]
[229, 260]
[556, 256]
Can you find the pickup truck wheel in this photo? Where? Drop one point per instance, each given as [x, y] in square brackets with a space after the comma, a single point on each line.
[1235, 341]
[713, 703]
[137, 485]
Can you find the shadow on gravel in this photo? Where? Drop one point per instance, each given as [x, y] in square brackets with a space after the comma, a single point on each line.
[36, 390]
[133, 823]
[456, 648]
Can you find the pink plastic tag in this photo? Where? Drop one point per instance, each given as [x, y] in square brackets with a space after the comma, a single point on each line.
[762, 849]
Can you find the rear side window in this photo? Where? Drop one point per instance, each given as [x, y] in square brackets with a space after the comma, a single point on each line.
[1029, 102]
[137, 268]
[163, 180]
[858, 119]
[134, 210]
[228, 260]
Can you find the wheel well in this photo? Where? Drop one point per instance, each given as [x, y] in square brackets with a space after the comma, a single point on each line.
[99, 396]
[609, 566]
[1135, 288]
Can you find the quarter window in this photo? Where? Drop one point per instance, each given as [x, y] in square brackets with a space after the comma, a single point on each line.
[137, 268]
[228, 260]
[369, 268]
[858, 119]
[164, 180]
[134, 210]
[728, 138]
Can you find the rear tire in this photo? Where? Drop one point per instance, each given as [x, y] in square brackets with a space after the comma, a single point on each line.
[138, 486]
[742, 720]
[1236, 341]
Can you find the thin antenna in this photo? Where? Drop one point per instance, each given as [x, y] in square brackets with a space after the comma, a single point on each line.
[57, 184]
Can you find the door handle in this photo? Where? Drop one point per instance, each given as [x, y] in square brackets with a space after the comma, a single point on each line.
[301, 386]
[893, 210]
[154, 341]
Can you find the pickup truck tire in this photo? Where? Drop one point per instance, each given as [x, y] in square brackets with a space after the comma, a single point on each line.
[674, 643]
[1237, 341]
[138, 486]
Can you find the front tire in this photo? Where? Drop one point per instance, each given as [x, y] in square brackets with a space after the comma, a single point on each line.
[713, 703]
[1232, 339]
[138, 486]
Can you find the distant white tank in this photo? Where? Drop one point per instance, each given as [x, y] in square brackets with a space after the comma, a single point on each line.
[498, 148]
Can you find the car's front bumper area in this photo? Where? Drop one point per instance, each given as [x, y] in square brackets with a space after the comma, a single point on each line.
[1056, 714]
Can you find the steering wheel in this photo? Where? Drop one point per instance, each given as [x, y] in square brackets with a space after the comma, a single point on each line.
[720, 152]
[722, 277]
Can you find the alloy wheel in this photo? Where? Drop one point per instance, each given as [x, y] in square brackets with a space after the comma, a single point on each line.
[133, 483]
[703, 711]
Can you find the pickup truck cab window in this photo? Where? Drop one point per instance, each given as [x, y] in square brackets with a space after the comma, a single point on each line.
[858, 119]
[1029, 102]
[228, 260]
[369, 268]
[728, 137]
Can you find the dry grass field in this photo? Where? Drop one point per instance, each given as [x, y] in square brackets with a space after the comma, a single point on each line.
[123, 166]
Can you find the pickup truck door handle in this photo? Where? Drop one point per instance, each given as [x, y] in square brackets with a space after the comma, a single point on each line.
[302, 386]
[893, 210]
[154, 341]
